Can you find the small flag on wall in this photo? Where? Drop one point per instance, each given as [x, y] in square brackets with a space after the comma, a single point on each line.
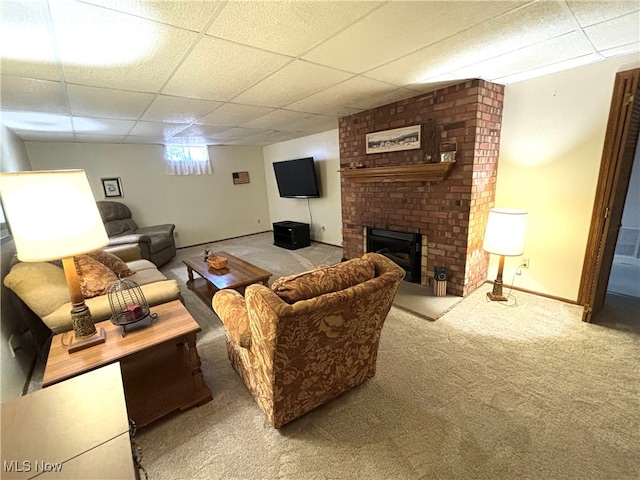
[240, 177]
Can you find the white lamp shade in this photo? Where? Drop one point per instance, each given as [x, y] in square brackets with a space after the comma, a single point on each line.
[52, 214]
[505, 232]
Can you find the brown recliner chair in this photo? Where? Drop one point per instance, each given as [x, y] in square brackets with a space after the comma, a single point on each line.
[311, 336]
[156, 243]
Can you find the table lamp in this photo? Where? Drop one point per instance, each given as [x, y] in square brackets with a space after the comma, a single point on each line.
[53, 215]
[504, 236]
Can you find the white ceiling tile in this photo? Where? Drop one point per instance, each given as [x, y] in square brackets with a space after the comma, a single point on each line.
[318, 123]
[26, 49]
[614, 33]
[252, 142]
[268, 138]
[239, 133]
[146, 140]
[549, 69]
[591, 12]
[91, 138]
[101, 126]
[231, 114]
[280, 120]
[294, 82]
[33, 95]
[35, 121]
[118, 50]
[523, 27]
[39, 136]
[280, 137]
[382, 99]
[446, 81]
[290, 28]
[142, 129]
[190, 140]
[172, 12]
[220, 70]
[107, 103]
[399, 28]
[196, 131]
[332, 100]
[552, 51]
[179, 109]
[621, 50]
[276, 136]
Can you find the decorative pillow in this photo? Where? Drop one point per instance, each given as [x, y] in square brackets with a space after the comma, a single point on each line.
[320, 281]
[40, 285]
[112, 261]
[94, 276]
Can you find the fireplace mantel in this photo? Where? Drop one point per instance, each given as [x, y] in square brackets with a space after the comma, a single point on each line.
[427, 172]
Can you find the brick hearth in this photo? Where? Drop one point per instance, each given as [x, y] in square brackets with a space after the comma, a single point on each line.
[451, 214]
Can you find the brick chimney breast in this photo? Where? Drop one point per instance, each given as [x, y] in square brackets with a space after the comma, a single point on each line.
[451, 215]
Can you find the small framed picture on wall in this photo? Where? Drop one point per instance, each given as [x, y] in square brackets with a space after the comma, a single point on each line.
[111, 187]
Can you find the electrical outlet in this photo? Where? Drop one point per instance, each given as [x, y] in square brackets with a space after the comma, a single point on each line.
[259, 221]
[525, 262]
[175, 234]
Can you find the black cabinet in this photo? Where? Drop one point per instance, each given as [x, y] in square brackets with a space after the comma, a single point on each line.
[291, 235]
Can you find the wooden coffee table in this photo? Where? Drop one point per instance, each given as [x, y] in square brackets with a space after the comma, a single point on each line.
[160, 364]
[237, 275]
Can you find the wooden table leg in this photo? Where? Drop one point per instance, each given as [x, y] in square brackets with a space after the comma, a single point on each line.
[203, 394]
[190, 273]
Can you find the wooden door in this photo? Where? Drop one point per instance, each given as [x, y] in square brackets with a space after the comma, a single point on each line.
[615, 170]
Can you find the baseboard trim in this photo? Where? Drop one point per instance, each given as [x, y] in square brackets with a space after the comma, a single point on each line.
[325, 243]
[222, 240]
[540, 294]
[247, 235]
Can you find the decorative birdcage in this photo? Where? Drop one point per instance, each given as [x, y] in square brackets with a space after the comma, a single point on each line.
[128, 305]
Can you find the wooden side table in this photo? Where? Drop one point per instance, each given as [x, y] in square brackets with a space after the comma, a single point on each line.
[160, 364]
[76, 429]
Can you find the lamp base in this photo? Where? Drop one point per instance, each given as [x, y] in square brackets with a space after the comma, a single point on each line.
[78, 344]
[83, 326]
[496, 294]
[496, 298]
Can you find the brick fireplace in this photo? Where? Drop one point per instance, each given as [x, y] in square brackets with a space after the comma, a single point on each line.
[449, 210]
[403, 248]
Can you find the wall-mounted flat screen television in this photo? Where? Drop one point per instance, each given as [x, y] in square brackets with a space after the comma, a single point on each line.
[297, 178]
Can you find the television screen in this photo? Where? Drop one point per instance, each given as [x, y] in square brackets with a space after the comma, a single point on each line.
[297, 178]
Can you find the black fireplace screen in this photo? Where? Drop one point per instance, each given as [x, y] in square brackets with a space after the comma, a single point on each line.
[403, 248]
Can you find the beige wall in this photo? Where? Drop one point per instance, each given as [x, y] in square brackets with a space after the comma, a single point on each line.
[13, 158]
[550, 153]
[326, 211]
[204, 208]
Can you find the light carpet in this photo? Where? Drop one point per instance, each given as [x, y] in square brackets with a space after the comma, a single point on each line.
[484, 392]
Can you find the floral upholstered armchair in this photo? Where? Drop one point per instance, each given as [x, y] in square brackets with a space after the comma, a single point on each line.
[311, 336]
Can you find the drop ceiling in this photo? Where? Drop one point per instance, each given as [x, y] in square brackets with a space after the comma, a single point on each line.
[261, 72]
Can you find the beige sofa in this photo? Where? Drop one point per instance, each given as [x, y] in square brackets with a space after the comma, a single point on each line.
[311, 336]
[42, 296]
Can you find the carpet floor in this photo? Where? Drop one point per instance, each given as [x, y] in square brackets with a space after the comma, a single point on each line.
[486, 391]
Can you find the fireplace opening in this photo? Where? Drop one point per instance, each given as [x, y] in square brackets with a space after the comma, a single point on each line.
[403, 248]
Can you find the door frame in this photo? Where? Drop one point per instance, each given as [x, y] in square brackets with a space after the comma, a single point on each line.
[613, 182]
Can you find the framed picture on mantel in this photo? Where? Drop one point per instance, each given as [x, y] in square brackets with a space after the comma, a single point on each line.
[405, 138]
